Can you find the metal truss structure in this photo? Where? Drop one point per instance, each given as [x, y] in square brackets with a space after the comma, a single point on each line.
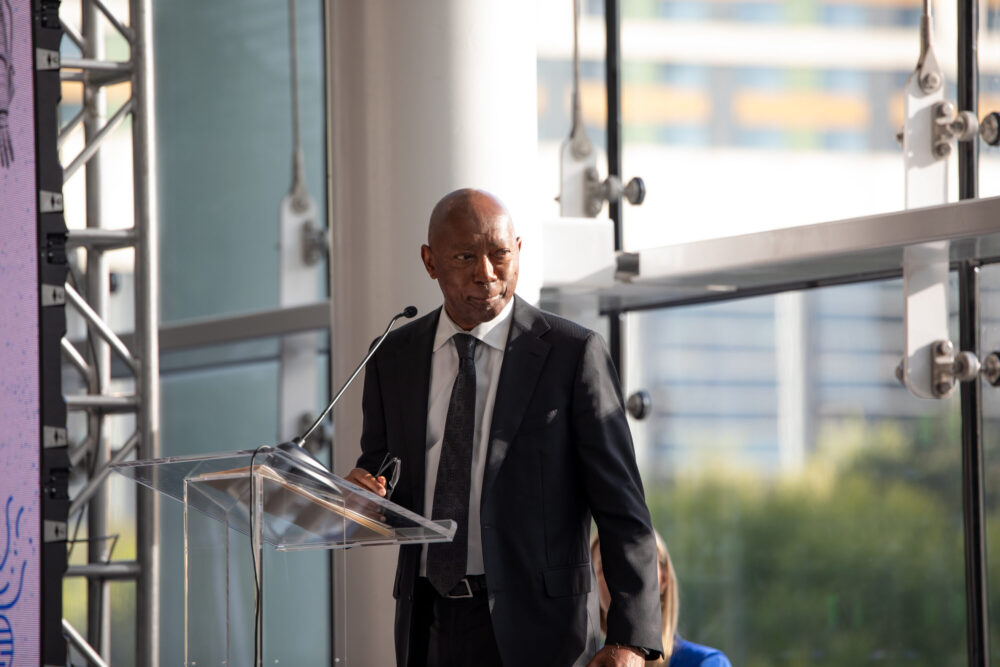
[92, 453]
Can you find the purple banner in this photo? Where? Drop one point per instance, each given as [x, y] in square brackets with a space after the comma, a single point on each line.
[20, 507]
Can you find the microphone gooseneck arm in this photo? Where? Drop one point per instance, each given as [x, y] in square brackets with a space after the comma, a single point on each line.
[409, 311]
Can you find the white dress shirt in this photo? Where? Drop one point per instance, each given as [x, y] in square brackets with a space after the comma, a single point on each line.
[492, 338]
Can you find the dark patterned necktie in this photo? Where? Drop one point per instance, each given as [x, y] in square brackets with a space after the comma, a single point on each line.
[446, 561]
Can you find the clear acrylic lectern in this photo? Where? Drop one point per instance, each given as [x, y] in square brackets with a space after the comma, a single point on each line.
[266, 495]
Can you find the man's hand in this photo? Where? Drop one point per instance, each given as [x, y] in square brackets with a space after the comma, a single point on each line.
[366, 480]
[618, 656]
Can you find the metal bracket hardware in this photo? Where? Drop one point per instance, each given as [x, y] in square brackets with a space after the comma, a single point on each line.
[53, 295]
[582, 192]
[54, 531]
[53, 436]
[639, 404]
[610, 189]
[928, 119]
[577, 171]
[46, 59]
[989, 128]
[50, 202]
[991, 368]
[950, 125]
[949, 368]
[315, 242]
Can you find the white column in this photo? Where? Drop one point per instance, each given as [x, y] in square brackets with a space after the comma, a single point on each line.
[424, 98]
[791, 357]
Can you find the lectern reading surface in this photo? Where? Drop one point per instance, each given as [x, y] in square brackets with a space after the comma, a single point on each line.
[266, 495]
[299, 511]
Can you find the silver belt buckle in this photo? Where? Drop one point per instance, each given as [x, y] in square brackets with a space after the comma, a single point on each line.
[462, 596]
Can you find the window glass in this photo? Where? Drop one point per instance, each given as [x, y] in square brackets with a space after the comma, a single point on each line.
[811, 505]
[989, 92]
[989, 300]
[219, 408]
[224, 163]
[742, 116]
[224, 112]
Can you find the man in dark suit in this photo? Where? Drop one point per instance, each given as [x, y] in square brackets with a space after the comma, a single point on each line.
[509, 420]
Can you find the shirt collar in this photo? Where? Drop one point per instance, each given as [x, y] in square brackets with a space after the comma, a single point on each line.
[493, 333]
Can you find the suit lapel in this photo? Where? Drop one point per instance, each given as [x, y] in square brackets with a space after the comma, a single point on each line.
[523, 360]
[413, 367]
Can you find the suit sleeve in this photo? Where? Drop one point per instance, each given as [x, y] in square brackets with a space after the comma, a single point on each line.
[373, 436]
[615, 495]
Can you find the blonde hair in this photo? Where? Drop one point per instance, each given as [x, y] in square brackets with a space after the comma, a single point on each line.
[669, 597]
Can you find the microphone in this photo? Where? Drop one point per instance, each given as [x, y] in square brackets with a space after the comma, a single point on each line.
[295, 448]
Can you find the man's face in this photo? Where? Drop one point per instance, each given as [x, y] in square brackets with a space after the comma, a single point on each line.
[474, 257]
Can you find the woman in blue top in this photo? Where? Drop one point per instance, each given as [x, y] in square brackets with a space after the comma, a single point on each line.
[677, 652]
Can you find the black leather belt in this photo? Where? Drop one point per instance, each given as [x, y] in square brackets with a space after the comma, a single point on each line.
[467, 587]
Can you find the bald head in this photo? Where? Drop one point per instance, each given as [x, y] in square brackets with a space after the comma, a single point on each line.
[461, 206]
[473, 253]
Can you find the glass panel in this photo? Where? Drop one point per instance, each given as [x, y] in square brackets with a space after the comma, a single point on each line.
[782, 105]
[224, 103]
[303, 507]
[219, 407]
[989, 301]
[989, 92]
[811, 505]
[789, 108]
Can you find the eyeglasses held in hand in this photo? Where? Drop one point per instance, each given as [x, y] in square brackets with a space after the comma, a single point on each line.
[390, 469]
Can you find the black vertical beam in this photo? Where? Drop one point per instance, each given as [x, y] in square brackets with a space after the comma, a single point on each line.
[973, 484]
[977, 610]
[613, 86]
[613, 83]
[54, 462]
[331, 561]
[968, 95]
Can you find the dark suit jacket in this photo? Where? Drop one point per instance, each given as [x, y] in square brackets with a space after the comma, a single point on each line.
[559, 452]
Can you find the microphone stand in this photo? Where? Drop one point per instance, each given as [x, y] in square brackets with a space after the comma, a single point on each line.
[304, 462]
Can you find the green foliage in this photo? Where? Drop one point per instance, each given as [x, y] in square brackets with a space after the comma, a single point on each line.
[856, 559]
